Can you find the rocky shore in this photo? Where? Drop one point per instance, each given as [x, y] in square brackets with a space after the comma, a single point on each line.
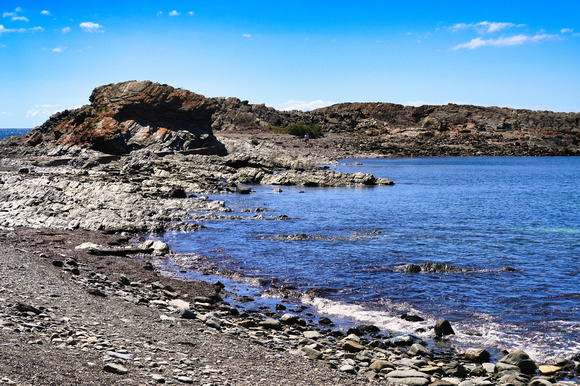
[84, 298]
[86, 307]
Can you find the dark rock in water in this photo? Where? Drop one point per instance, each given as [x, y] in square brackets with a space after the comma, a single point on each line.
[412, 268]
[442, 328]
[241, 190]
[405, 340]
[432, 267]
[412, 318]
[369, 328]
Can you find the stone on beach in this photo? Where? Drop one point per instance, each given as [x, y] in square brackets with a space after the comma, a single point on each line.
[478, 355]
[519, 359]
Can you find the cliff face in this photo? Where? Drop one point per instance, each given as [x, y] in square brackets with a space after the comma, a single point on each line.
[133, 115]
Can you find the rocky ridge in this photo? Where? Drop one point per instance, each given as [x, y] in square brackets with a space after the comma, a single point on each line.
[395, 130]
[140, 114]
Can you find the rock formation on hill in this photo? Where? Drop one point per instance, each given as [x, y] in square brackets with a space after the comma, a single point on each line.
[134, 115]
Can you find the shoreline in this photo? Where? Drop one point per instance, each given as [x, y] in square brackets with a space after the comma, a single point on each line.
[74, 311]
[113, 310]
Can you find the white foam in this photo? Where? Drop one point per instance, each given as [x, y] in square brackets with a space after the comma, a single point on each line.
[482, 331]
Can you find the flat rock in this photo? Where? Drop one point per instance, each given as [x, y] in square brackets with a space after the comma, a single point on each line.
[115, 369]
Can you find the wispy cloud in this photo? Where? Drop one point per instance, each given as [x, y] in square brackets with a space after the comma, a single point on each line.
[65, 30]
[58, 49]
[566, 30]
[42, 110]
[16, 15]
[4, 30]
[301, 105]
[45, 12]
[483, 26]
[92, 27]
[174, 13]
[515, 40]
[191, 13]
[247, 35]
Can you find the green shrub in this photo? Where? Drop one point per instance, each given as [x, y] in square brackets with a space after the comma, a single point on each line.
[299, 129]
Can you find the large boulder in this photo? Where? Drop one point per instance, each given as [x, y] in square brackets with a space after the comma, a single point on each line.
[134, 115]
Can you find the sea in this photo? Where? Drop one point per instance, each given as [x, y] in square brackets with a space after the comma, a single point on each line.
[5, 133]
[511, 223]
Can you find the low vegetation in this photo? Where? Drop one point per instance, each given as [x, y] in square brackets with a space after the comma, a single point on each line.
[299, 129]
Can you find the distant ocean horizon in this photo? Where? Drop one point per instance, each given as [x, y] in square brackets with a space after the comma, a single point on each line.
[9, 132]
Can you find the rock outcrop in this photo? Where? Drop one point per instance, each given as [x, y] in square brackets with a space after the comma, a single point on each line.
[133, 115]
[397, 130]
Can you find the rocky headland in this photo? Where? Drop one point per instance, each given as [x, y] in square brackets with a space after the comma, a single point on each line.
[84, 298]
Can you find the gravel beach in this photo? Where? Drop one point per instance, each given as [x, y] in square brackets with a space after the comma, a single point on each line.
[59, 328]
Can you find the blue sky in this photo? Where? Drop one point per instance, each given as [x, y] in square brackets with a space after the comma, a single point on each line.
[292, 54]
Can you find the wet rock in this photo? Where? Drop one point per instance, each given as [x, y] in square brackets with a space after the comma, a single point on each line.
[442, 328]
[478, 355]
[520, 359]
[405, 340]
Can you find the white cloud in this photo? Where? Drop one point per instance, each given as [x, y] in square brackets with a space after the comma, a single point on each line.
[20, 30]
[42, 110]
[174, 13]
[247, 35]
[65, 30]
[45, 12]
[15, 16]
[91, 27]
[301, 105]
[160, 13]
[504, 41]
[5, 30]
[566, 30]
[483, 26]
[191, 13]
[58, 49]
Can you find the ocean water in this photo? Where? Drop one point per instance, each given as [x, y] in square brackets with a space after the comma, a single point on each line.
[484, 214]
[5, 133]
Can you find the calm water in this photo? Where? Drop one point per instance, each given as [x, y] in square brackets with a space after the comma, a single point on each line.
[483, 214]
[5, 133]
